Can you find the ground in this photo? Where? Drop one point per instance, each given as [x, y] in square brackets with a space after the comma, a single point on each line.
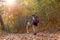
[30, 36]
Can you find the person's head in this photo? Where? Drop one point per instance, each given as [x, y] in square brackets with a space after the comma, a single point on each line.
[33, 14]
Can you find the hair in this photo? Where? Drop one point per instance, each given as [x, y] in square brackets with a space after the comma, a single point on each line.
[33, 14]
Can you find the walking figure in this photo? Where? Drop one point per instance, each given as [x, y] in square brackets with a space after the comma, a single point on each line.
[35, 21]
[27, 25]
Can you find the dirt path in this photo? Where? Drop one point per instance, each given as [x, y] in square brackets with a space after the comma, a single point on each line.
[39, 36]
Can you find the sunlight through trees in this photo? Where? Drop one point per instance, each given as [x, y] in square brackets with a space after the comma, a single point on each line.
[14, 15]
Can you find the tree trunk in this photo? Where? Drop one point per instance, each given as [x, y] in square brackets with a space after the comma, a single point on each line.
[2, 23]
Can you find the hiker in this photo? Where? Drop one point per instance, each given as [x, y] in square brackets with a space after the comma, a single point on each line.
[35, 21]
[27, 25]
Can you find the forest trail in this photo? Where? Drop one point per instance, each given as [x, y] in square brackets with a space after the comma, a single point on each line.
[39, 36]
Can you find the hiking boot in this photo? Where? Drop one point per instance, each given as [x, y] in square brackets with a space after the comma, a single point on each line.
[35, 33]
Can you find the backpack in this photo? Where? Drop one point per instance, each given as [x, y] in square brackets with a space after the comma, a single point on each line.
[35, 19]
